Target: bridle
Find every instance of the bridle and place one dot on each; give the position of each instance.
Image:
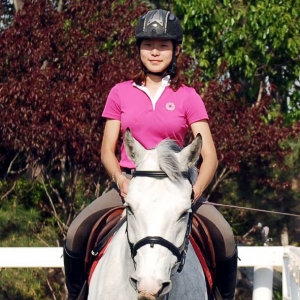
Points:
(179, 252)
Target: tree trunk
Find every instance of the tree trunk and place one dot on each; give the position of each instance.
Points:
(18, 4)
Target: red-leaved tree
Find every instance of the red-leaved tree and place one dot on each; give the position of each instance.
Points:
(56, 69)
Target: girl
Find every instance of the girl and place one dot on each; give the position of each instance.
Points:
(155, 105)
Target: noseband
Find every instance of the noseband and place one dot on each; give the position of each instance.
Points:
(180, 252)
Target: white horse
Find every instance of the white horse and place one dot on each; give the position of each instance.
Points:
(144, 255)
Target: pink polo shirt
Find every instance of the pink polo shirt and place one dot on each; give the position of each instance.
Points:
(170, 118)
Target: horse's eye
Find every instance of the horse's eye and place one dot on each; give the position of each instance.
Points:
(184, 215)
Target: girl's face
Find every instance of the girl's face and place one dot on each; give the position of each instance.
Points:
(156, 54)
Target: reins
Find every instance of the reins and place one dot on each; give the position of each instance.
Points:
(248, 208)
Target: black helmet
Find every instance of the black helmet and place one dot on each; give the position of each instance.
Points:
(159, 24)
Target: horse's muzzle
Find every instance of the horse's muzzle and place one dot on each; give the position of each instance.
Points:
(150, 289)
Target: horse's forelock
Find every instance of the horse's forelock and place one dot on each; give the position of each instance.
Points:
(167, 160)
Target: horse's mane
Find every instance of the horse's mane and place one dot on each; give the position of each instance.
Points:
(168, 162)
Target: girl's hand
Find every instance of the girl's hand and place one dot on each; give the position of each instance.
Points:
(122, 184)
(197, 191)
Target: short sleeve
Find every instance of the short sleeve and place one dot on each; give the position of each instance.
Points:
(194, 108)
(112, 108)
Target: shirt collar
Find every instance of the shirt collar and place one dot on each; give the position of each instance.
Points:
(164, 82)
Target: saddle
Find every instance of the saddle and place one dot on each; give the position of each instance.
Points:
(200, 239)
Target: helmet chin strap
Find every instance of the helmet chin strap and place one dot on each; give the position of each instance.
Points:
(159, 74)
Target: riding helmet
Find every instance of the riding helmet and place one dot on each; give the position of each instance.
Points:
(159, 24)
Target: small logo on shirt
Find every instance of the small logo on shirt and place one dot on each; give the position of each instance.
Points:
(170, 106)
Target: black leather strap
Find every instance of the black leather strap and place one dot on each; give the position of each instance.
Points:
(152, 240)
(103, 242)
(197, 205)
(155, 174)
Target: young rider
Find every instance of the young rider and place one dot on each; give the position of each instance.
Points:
(155, 105)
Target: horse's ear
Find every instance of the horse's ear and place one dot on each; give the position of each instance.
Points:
(189, 155)
(134, 149)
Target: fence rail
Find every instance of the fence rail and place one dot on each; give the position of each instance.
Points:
(47, 257)
(263, 259)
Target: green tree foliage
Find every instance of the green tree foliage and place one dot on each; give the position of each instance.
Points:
(23, 221)
(31, 284)
(259, 40)
(6, 13)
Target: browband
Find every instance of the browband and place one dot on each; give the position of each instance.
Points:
(155, 174)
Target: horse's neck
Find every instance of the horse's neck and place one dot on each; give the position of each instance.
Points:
(111, 276)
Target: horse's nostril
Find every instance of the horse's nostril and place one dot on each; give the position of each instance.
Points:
(134, 282)
(165, 287)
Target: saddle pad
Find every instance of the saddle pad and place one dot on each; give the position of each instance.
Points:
(202, 260)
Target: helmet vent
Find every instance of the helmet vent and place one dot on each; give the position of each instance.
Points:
(166, 22)
(159, 24)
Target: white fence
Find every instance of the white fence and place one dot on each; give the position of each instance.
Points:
(263, 259)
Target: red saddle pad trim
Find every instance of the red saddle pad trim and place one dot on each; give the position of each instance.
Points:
(203, 263)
